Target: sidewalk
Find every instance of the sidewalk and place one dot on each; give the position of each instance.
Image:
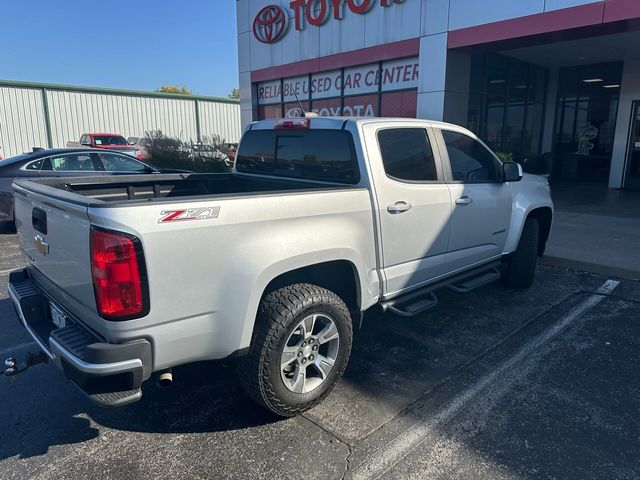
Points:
(595, 229)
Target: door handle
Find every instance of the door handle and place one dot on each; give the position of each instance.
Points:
(399, 207)
(464, 200)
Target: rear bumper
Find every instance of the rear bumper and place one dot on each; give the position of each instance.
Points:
(109, 374)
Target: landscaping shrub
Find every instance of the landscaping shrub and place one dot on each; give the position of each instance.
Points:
(169, 152)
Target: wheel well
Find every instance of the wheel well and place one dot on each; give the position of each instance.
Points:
(544, 217)
(339, 276)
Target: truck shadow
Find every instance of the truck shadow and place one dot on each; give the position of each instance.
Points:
(43, 409)
(205, 397)
(394, 361)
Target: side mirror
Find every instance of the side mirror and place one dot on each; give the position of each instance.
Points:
(512, 172)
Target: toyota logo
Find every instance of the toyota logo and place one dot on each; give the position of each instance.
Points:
(270, 24)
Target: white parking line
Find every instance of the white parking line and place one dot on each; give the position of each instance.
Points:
(12, 350)
(394, 451)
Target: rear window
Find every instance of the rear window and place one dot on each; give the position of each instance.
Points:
(326, 155)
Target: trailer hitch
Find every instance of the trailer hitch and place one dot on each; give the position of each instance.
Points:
(13, 367)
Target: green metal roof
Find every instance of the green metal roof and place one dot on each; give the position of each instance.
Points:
(112, 91)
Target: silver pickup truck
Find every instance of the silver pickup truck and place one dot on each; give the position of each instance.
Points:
(274, 263)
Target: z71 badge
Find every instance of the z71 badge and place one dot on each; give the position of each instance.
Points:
(201, 213)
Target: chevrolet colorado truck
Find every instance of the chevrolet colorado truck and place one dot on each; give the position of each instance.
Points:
(274, 263)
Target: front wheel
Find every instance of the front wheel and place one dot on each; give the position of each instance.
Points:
(521, 267)
(300, 349)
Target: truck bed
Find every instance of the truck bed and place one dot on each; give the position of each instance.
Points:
(129, 189)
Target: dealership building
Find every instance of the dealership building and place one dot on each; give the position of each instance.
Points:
(554, 83)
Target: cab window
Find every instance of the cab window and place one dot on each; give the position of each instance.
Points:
(471, 162)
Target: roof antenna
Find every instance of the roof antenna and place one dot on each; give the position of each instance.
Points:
(305, 114)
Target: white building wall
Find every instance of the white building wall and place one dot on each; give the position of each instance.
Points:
(220, 119)
(22, 125)
(23, 118)
(428, 19)
(73, 114)
(470, 13)
(630, 91)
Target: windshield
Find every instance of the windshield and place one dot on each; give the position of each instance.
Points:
(109, 140)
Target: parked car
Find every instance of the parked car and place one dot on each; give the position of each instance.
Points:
(109, 141)
(275, 263)
(62, 162)
(230, 150)
(141, 146)
(1, 157)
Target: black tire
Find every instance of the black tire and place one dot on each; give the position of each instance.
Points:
(521, 267)
(279, 313)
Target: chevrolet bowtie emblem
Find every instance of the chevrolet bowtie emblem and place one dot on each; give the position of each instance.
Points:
(41, 245)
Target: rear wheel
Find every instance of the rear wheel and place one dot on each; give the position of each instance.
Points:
(521, 268)
(300, 349)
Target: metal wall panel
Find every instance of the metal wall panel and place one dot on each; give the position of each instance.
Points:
(74, 113)
(220, 118)
(23, 115)
(22, 124)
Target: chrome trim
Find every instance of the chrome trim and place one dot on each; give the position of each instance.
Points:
(41, 245)
(21, 316)
(93, 368)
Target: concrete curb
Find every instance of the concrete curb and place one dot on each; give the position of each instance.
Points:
(590, 267)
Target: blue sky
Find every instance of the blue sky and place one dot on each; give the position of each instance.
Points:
(135, 44)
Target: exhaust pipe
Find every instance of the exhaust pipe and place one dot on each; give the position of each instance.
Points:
(165, 380)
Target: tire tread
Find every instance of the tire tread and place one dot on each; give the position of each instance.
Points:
(275, 313)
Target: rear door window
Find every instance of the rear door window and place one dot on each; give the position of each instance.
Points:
(72, 163)
(326, 155)
(407, 155)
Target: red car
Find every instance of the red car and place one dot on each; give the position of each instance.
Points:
(109, 141)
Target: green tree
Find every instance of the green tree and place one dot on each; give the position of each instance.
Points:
(235, 94)
(174, 89)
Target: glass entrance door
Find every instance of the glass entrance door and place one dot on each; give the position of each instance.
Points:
(632, 179)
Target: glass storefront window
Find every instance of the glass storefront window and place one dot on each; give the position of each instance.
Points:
(585, 122)
(361, 106)
(353, 91)
(506, 104)
(270, 111)
(327, 108)
(399, 104)
(326, 84)
(293, 110)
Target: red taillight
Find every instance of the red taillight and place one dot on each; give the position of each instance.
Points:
(116, 271)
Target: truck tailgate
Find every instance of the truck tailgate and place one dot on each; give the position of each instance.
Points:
(54, 238)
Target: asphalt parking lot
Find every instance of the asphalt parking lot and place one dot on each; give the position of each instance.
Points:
(498, 383)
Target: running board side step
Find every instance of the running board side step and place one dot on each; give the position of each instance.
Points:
(404, 308)
(413, 303)
(476, 282)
